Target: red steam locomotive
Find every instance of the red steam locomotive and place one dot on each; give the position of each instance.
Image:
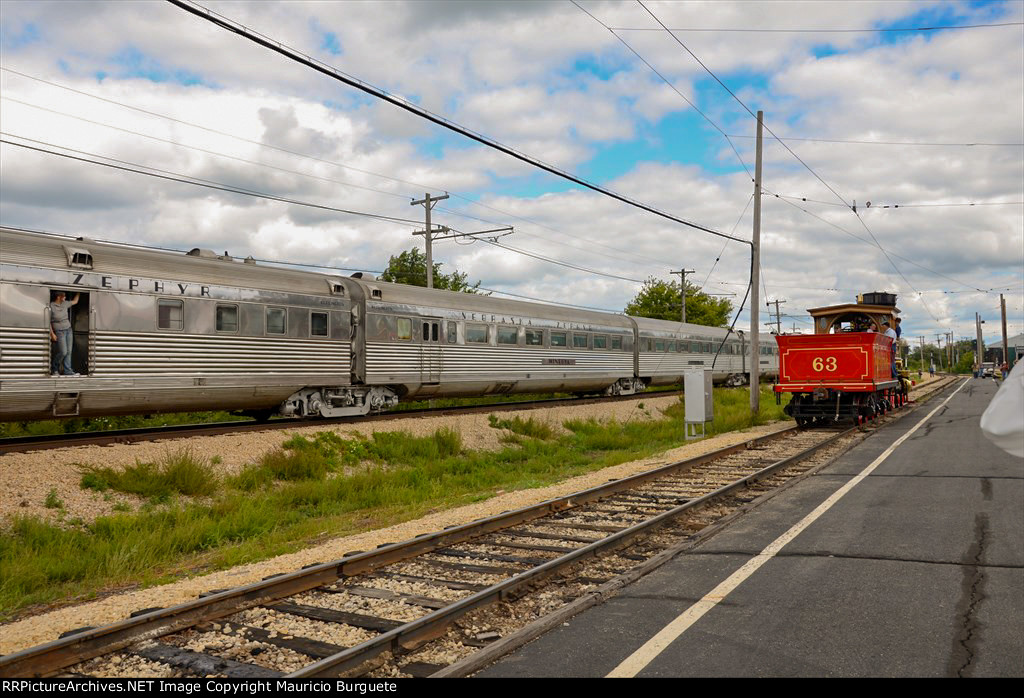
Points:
(845, 370)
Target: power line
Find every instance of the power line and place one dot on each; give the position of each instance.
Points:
(873, 206)
(909, 143)
(727, 137)
(738, 100)
(669, 83)
(857, 237)
(551, 260)
(798, 158)
(401, 103)
(550, 302)
(972, 203)
(140, 246)
(205, 150)
(222, 187)
(185, 179)
(827, 31)
(261, 144)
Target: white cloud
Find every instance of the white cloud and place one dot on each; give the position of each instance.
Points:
(546, 79)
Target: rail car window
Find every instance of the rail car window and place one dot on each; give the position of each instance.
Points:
(659, 345)
(453, 332)
(170, 314)
(476, 334)
(227, 318)
(534, 338)
(508, 335)
(430, 331)
(600, 341)
(318, 324)
(616, 342)
(277, 320)
(580, 340)
(404, 327)
(558, 339)
(681, 346)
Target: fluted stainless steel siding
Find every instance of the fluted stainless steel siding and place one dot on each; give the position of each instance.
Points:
(139, 353)
(389, 362)
(24, 352)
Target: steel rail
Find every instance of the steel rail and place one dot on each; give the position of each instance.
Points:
(78, 646)
(92, 642)
(21, 444)
(432, 625)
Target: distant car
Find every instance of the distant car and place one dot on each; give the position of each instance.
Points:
(988, 370)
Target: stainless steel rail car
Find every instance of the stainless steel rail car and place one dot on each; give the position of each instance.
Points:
(667, 349)
(161, 332)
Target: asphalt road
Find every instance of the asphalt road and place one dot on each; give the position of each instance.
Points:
(917, 571)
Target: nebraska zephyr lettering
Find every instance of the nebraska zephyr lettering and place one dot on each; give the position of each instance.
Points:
(133, 284)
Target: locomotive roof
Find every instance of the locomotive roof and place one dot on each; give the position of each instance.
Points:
(854, 308)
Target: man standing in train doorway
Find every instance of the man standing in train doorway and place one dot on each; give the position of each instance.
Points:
(61, 333)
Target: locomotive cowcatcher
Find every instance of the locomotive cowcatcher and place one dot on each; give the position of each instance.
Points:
(844, 371)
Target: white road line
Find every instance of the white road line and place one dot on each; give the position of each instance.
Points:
(635, 663)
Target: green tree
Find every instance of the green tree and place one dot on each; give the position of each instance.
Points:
(410, 268)
(662, 300)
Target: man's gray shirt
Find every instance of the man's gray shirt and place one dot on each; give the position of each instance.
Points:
(59, 319)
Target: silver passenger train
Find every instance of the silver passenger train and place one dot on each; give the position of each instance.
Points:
(162, 332)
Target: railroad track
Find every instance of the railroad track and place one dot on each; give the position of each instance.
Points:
(381, 610)
(21, 444)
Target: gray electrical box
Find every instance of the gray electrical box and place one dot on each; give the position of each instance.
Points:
(697, 390)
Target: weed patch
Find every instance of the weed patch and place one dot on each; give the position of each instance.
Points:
(53, 501)
(524, 427)
(179, 473)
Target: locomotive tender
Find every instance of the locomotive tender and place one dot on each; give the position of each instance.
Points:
(842, 371)
(157, 331)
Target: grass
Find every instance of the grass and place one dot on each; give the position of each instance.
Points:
(179, 473)
(295, 494)
(518, 426)
(52, 501)
(67, 426)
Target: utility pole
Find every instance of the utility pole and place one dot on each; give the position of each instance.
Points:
(979, 353)
(682, 277)
(1006, 347)
(428, 202)
(755, 266)
(778, 314)
(938, 340)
